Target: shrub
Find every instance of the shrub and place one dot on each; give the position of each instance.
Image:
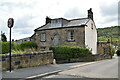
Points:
(118, 52)
(6, 47)
(27, 45)
(67, 52)
(24, 46)
(17, 47)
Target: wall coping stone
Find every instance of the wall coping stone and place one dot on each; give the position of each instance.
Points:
(23, 54)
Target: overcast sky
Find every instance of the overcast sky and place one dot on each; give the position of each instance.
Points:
(31, 14)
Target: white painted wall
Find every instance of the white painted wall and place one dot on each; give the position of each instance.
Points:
(91, 37)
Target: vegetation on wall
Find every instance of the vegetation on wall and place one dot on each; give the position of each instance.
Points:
(67, 52)
(5, 47)
(27, 46)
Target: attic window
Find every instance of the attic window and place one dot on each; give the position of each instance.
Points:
(91, 25)
(70, 35)
(42, 37)
(56, 23)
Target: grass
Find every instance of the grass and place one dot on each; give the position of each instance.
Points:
(25, 50)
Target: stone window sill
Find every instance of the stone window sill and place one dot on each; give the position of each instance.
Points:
(70, 40)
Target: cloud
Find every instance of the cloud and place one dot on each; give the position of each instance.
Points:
(30, 14)
(74, 13)
(108, 14)
(109, 9)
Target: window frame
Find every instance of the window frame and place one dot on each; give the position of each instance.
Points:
(92, 26)
(70, 36)
(43, 37)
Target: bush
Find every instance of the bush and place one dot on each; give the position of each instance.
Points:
(18, 47)
(27, 45)
(118, 52)
(6, 47)
(67, 52)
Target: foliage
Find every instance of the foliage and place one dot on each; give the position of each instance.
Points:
(118, 52)
(67, 52)
(6, 46)
(25, 50)
(112, 50)
(111, 33)
(3, 37)
(27, 46)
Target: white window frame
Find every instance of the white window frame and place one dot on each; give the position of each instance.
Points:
(91, 25)
(70, 35)
(43, 37)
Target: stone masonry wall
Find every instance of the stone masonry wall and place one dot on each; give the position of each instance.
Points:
(103, 48)
(91, 58)
(24, 60)
(79, 36)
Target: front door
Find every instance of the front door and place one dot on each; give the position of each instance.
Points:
(56, 40)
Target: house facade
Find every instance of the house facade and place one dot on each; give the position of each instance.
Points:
(60, 31)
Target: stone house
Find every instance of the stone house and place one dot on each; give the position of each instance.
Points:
(60, 31)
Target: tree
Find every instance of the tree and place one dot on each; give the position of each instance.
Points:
(3, 37)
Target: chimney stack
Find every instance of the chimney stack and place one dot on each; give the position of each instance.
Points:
(90, 14)
(48, 20)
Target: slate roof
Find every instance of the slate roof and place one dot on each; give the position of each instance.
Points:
(77, 22)
(70, 23)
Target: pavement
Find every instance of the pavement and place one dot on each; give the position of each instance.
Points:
(39, 71)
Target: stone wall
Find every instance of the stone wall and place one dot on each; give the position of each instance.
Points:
(86, 59)
(103, 47)
(24, 60)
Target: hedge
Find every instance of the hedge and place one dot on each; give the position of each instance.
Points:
(5, 47)
(67, 52)
(27, 45)
(118, 52)
(20, 46)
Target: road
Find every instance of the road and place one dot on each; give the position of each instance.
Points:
(105, 70)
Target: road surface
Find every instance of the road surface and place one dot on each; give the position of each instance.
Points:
(105, 70)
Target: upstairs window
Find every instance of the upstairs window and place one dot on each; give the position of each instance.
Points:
(56, 23)
(91, 25)
(42, 37)
(70, 35)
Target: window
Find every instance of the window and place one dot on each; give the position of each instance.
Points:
(70, 35)
(56, 23)
(42, 37)
(91, 25)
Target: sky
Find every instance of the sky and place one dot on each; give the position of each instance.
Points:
(30, 14)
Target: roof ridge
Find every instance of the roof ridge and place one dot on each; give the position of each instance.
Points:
(78, 19)
(60, 18)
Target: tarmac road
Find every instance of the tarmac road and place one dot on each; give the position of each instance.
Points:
(100, 70)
